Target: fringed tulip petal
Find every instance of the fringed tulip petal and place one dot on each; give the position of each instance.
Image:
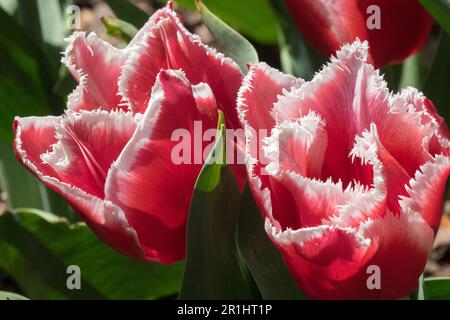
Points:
(149, 171)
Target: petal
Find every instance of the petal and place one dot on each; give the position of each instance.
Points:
(324, 261)
(34, 136)
(333, 263)
(427, 189)
(96, 65)
(318, 202)
(344, 92)
(324, 24)
(328, 25)
(407, 128)
(80, 158)
(158, 189)
(259, 91)
(400, 35)
(298, 145)
(403, 243)
(368, 147)
(169, 45)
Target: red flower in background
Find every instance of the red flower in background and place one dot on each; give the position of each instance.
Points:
(404, 26)
(350, 176)
(109, 156)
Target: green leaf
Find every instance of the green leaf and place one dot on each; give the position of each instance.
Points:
(254, 18)
(29, 20)
(21, 187)
(26, 78)
(413, 72)
(228, 41)
(10, 6)
(297, 57)
(436, 86)
(25, 190)
(421, 292)
(440, 10)
(214, 269)
(126, 11)
(65, 83)
(263, 260)
(11, 296)
(36, 248)
(120, 29)
(51, 19)
(438, 288)
(52, 22)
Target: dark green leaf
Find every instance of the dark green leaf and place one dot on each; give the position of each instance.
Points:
(52, 28)
(440, 10)
(36, 248)
(296, 55)
(438, 288)
(26, 80)
(21, 187)
(227, 40)
(436, 86)
(413, 72)
(254, 18)
(29, 20)
(263, 260)
(213, 266)
(65, 83)
(120, 29)
(421, 292)
(128, 12)
(10, 6)
(24, 190)
(26, 77)
(11, 296)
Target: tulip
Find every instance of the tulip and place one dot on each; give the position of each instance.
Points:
(109, 155)
(394, 29)
(351, 178)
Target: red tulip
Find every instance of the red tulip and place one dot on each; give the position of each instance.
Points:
(110, 155)
(351, 177)
(395, 29)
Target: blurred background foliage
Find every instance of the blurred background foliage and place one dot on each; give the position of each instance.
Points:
(37, 246)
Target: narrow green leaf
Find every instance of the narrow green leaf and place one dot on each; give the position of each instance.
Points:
(438, 288)
(436, 86)
(25, 190)
(263, 260)
(440, 10)
(10, 6)
(210, 175)
(296, 55)
(51, 19)
(228, 41)
(393, 75)
(11, 296)
(128, 12)
(29, 20)
(120, 29)
(413, 72)
(26, 79)
(21, 187)
(41, 246)
(254, 18)
(421, 292)
(213, 266)
(65, 83)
